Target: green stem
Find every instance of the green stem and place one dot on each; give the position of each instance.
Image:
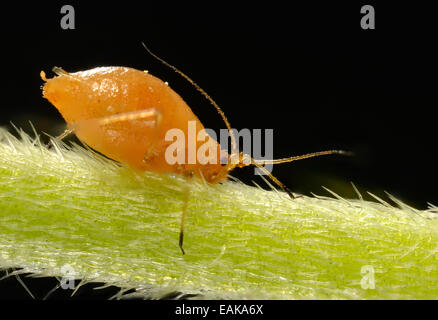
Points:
(68, 206)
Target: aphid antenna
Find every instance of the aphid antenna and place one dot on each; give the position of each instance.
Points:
(304, 156)
(260, 165)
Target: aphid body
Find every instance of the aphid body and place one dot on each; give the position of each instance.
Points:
(125, 114)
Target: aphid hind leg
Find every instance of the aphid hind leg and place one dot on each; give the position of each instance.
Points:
(188, 175)
(154, 114)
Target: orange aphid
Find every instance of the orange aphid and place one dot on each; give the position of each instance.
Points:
(125, 114)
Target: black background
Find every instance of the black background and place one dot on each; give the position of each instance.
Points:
(306, 70)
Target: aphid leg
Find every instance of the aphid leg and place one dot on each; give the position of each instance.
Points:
(154, 114)
(275, 180)
(188, 175)
(150, 152)
(60, 137)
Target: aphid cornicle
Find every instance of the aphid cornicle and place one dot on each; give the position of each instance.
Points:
(125, 113)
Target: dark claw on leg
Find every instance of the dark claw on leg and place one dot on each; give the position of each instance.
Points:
(289, 192)
(49, 145)
(181, 239)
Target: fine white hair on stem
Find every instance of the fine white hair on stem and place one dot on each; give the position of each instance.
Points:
(69, 206)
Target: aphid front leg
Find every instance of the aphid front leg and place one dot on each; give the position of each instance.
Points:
(154, 150)
(275, 180)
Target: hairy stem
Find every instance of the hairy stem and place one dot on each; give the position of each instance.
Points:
(70, 207)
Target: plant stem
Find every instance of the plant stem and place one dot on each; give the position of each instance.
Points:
(69, 206)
